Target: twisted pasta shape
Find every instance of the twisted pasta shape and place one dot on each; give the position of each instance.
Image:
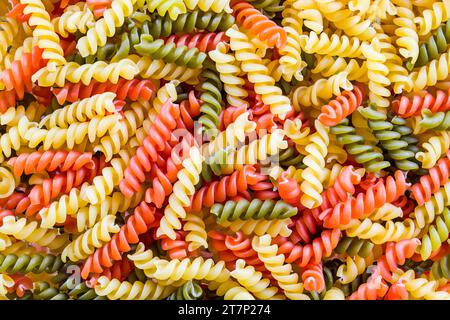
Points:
(115, 289)
(43, 30)
(434, 148)
(377, 72)
(132, 89)
(30, 232)
(85, 244)
(75, 18)
(164, 26)
(18, 78)
(433, 17)
(430, 183)
(406, 107)
(395, 255)
(354, 247)
(378, 234)
(203, 41)
(436, 234)
(313, 252)
(195, 227)
(211, 96)
(113, 18)
(230, 290)
(344, 19)
(142, 219)
(327, 66)
(35, 162)
(341, 46)
(169, 52)
(258, 73)
(323, 89)
(191, 290)
(253, 281)
(255, 209)
(291, 62)
(75, 73)
(341, 107)
(366, 154)
(312, 277)
(260, 227)
(406, 31)
(440, 268)
(26, 263)
(229, 72)
(159, 133)
(365, 203)
(172, 8)
(282, 272)
(81, 111)
(182, 189)
(428, 121)
(259, 25)
(313, 175)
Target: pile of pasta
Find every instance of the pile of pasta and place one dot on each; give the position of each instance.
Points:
(216, 149)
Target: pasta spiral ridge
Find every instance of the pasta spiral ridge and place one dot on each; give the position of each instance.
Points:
(365, 154)
(26, 263)
(142, 218)
(365, 203)
(341, 107)
(132, 89)
(113, 18)
(255, 209)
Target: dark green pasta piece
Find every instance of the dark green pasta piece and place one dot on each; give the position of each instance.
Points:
(137, 275)
(419, 267)
(211, 96)
(162, 27)
(390, 137)
(43, 291)
(435, 45)
(80, 291)
(191, 290)
(363, 153)
(255, 209)
(441, 268)
(34, 263)
(268, 7)
(290, 157)
(354, 247)
(170, 52)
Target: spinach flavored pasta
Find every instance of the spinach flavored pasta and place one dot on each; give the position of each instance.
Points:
(224, 150)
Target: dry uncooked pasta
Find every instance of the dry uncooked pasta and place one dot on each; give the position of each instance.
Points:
(241, 149)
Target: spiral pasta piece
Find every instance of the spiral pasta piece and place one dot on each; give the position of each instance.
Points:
(43, 30)
(143, 217)
(256, 209)
(282, 272)
(85, 244)
(321, 90)
(433, 149)
(115, 289)
(30, 232)
(313, 175)
(436, 235)
(99, 71)
(258, 73)
(341, 107)
(77, 17)
(132, 89)
(253, 281)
